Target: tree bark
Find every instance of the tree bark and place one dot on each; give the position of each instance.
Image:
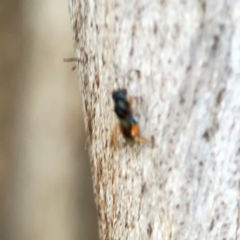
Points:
(182, 58)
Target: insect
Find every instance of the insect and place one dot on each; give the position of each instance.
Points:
(128, 125)
(73, 59)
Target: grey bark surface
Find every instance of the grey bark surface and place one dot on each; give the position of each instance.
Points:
(183, 59)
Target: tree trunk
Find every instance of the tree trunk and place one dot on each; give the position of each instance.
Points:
(182, 58)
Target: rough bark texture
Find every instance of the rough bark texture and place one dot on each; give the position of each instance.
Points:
(187, 57)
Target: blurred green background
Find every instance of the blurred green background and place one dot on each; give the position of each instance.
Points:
(45, 184)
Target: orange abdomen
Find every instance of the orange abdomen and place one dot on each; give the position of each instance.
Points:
(135, 131)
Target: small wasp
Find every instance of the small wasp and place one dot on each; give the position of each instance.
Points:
(128, 125)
